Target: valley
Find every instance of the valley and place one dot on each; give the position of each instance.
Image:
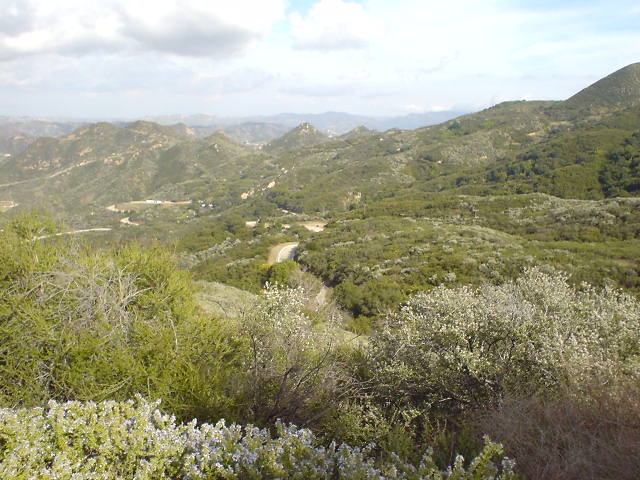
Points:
(400, 288)
(485, 194)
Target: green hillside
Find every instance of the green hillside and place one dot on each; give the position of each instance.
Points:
(621, 90)
(514, 147)
(480, 276)
(304, 135)
(105, 164)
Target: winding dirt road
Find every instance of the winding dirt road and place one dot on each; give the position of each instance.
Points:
(74, 232)
(56, 174)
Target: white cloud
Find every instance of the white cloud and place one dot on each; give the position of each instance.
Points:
(237, 81)
(200, 27)
(378, 57)
(334, 25)
(194, 28)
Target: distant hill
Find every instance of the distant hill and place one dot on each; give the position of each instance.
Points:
(330, 123)
(255, 133)
(15, 144)
(513, 147)
(254, 130)
(357, 132)
(304, 135)
(16, 133)
(414, 120)
(621, 89)
(103, 163)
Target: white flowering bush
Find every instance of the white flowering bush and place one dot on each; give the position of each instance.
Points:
(459, 347)
(134, 440)
(293, 364)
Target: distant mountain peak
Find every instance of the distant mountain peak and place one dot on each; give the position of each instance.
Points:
(618, 90)
(306, 129)
(358, 131)
(304, 135)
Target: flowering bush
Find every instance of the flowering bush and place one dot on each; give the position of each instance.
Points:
(458, 347)
(293, 364)
(134, 440)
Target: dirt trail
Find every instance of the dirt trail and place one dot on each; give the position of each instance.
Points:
(74, 232)
(127, 221)
(312, 226)
(114, 207)
(283, 251)
(59, 172)
(5, 206)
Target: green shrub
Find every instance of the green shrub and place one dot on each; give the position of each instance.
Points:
(282, 272)
(76, 323)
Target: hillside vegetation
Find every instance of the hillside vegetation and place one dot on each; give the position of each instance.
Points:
(477, 277)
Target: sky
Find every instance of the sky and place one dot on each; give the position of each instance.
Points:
(108, 59)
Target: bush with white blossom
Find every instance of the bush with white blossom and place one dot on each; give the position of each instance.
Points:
(463, 347)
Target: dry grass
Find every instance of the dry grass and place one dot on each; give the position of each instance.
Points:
(588, 433)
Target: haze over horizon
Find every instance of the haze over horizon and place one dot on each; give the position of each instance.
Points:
(117, 59)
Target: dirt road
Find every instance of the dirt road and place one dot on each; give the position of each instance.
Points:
(313, 226)
(74, 232)
(59, 172)
(127, 221)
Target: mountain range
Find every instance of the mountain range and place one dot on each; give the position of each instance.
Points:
(475, 198)
(105, 163)
(18, 132)
(330, 123)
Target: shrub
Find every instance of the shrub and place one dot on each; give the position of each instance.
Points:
(455, 348)
(76, 323)
(282, 272)
(294, 369)
(133, 439)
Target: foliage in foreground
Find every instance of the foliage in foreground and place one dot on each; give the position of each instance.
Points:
(82, 324)
(589, 430)
(77, 323)
(133, 439)
(293, 368)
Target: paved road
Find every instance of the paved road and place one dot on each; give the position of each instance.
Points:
(282, 252)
